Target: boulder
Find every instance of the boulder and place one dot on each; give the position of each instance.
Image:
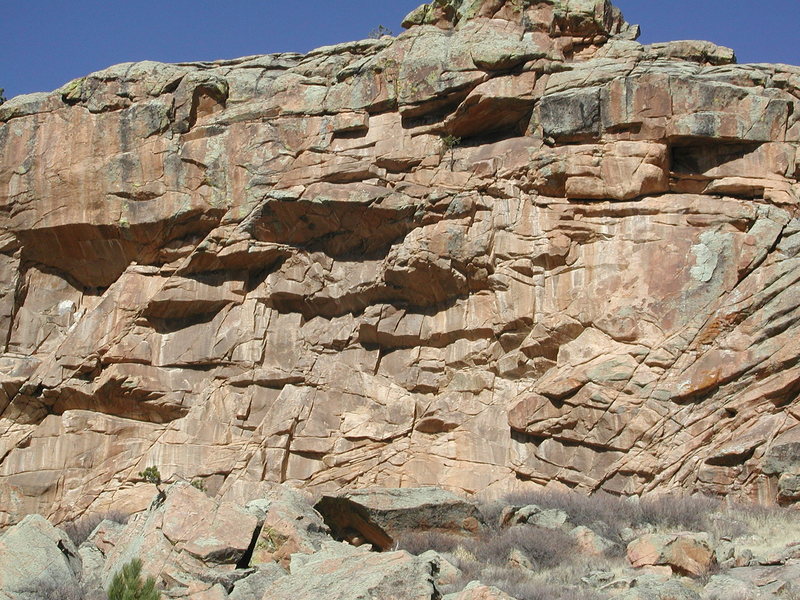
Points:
(724, 586)
(93, 553)
(789, 487)
(342, 572)
(686, 553)
(37, 562)
(477, 591)
(446, 573)
(255, 585)
(379, 516)
(728, 554)
(531, 514)
(778, 579)
(289, 526)
(590, 542)
(189, 542)
(653, 587)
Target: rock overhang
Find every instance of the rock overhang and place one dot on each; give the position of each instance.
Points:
(510, 245)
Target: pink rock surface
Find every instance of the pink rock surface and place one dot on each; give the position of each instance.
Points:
(281, 268)
(687, 553)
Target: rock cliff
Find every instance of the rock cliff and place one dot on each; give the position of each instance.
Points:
(511, 246)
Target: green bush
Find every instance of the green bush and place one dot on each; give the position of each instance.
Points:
(450, 141)
(128, 585)
(151, 475)
(2, 95)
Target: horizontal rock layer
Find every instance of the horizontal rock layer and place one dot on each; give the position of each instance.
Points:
(510, 245)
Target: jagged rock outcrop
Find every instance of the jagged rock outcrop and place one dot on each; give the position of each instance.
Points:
(510, 245)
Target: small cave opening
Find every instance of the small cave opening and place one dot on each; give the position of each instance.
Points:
(351, 134)
(700, 156)
(350, 523)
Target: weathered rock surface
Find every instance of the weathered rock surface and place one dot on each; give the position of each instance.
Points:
(289, 526)
(200, 548)
(190, 543)
(36, 559)
(343, 572)
(287, 268)
(685, 553)
(724, 586)
(476, 591)
(656, 588)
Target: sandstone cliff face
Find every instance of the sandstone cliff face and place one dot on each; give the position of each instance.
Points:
(290, 268)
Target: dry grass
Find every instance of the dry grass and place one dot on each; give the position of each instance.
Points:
(533, 563)
(553, 564)
(543, 548)
(765, 529)
(41, 590)
(80, 529)
(610, 516)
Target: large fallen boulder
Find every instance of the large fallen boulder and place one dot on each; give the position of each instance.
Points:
(685, 553)
(38, 562)
(380, 515)
(290, 525)
(344, 572)
(189, 543)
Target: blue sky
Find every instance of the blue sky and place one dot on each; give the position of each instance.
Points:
(46, 43)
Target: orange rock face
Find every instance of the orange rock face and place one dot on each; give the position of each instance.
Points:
(686, 553)
(511, 246)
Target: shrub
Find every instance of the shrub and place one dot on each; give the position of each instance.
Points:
(450, 141)
(518, 583)
(547, 563)
(2, 96)
(519, 586)
(609, 515)
(379, 32)
(680, 512)
(127, 584)
(418, 542)
(544, 548)
(50, 590)
(151, 475)
(80, 529)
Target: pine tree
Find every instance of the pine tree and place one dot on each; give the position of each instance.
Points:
(2, 95)
(127, 584)
(152, 475)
